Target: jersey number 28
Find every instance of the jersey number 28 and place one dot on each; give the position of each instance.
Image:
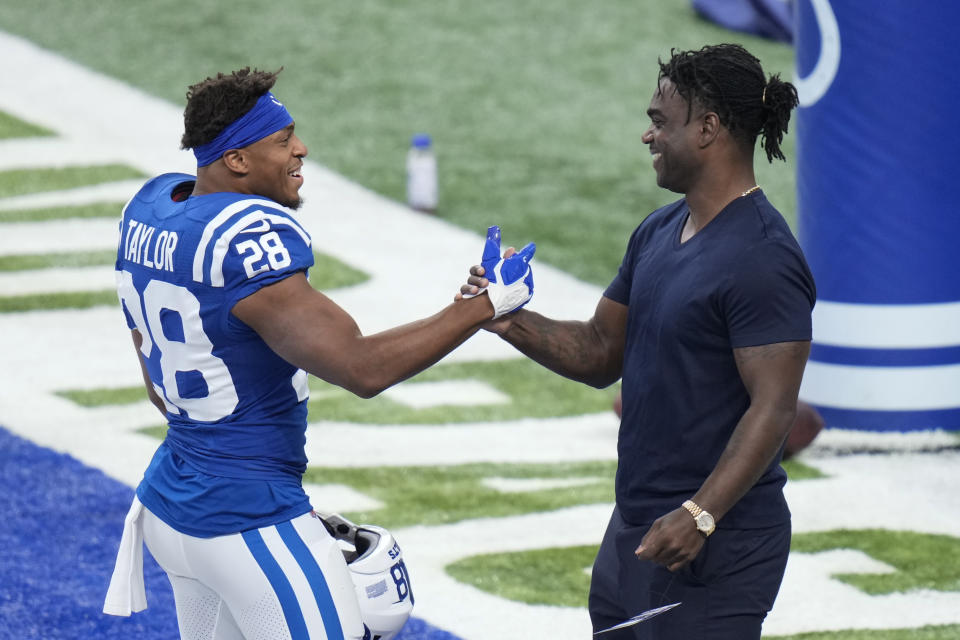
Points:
(193, 354)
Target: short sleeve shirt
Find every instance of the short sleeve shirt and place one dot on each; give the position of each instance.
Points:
(741, 281)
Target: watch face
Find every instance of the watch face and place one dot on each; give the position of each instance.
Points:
(705, 523)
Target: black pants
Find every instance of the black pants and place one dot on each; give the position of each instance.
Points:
(726, 591)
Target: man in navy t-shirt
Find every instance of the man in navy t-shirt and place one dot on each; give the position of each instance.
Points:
(708, 324)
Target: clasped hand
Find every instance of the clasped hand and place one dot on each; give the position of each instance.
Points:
(507, 280)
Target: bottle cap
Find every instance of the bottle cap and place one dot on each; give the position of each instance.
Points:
(421, 141)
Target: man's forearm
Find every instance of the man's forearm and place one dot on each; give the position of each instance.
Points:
(772, 374)
(753, 445)
(573, 349)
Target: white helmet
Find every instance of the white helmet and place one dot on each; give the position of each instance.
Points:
(380, 577)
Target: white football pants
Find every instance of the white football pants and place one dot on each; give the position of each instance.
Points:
(283, 582)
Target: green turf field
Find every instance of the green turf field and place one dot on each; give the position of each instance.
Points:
(536, 108)
(327, 272)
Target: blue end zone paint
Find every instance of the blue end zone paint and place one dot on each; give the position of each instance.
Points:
(59, 531)
(60, 525)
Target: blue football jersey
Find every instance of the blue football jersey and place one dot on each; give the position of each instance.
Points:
(234, 451)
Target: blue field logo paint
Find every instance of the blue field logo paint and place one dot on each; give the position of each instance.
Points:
(66, 564)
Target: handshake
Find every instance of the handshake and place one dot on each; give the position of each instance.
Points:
(509, 278)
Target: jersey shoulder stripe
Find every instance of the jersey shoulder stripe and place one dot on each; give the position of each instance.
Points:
(247, 215)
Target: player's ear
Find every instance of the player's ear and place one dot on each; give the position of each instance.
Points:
(709, 128)
(236, 161)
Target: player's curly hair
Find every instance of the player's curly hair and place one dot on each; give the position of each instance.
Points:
(729, 81)
(213, 104)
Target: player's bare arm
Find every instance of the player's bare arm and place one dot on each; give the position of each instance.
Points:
(772, 375)
(151, 392)
(310, 331)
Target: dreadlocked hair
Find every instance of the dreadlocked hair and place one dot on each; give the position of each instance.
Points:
(213, 104)
(729, 81)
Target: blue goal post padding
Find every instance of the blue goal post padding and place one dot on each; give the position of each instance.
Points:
(877, 213)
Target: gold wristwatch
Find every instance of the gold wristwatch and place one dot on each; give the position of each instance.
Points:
(705, 522)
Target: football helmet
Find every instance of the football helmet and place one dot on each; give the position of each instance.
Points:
(380, 577)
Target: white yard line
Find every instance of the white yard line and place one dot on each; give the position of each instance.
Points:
(110, 192)
(416, 263)
(52, 153)
(57, 280)
(52, 236)
(567, 439)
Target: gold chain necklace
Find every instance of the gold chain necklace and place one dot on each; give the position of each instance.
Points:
(755, 187)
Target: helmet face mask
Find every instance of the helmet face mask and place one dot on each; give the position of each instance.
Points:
(380, 577)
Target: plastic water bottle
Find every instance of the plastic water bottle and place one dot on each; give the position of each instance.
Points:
(421, 174)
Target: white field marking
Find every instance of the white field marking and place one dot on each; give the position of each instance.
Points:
(811, 600)
(526, 485)
(339, 498)
(569, 439)
(831, 441)
(467, 393)
(44, 351)
(56, 280)
(473, 614)
(103, 438)
(889, 491)
(115, 192)
(54, 152)
(52, 236)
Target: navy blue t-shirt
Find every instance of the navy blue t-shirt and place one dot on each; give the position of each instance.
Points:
(741, 281)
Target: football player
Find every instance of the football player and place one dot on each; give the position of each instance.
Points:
(212, 279)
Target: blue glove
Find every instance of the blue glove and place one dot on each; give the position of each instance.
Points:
(511, 280)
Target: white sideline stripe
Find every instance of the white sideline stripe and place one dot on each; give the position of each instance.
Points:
(140, 130)
(880, 326)
(447, 393)
(52, 236)
(882, 388)
(53, 152)
(118, 191)
(339, 498)
(833, 440)
(57, 280)
(525, 485)
(298, 580)
(565, 439)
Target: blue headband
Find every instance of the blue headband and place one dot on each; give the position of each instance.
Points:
(267, 116)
